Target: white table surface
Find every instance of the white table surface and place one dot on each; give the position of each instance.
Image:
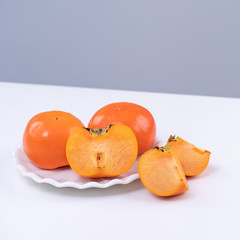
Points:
(209, 210)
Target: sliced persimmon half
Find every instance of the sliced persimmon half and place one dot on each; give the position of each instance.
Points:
(194, 160)
(161, 172)
(105, 152)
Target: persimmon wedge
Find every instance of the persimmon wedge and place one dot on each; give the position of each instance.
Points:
(194, 160)
(105, 152)
(161, 172)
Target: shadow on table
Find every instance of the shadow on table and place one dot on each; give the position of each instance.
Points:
(90, 192)
(208, 172)
(117, 189)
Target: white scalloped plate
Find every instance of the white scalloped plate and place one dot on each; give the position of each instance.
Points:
(66, 177)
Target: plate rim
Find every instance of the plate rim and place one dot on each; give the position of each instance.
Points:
(72, 184)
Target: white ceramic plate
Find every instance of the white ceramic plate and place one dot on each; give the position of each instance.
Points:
(66, 177)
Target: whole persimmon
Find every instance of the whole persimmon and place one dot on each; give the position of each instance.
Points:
(45, 138)
(138, 118)
(194, 160)
(105, 152)
(161, 172)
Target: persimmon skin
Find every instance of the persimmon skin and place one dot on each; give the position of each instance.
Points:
(106, 154)
(161, 173)
(45, 138)
(194, 160)
(138, 118)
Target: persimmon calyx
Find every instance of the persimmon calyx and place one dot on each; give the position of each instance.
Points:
(172, 138)
(166, 148)
(98, 131)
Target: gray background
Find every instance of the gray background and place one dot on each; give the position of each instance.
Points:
(179, 46)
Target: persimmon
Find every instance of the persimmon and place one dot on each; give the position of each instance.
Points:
(194, 160)
(161, 172)
(138, 118)
(45, 138)
(105, 152)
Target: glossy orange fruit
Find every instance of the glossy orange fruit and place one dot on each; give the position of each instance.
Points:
(106, 152)
(194, 160)
(45, 138)
(138, 118)
(161, 172)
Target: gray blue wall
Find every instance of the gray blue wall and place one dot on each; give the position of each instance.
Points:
(178, 46)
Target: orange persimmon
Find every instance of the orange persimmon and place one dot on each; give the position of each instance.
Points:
(138, 118)
(45, 138)
(161, 172)
(105, 152)
(193, 159)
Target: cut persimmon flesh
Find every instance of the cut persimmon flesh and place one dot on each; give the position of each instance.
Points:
(105, 152)
(161, 172)
(194, 160)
